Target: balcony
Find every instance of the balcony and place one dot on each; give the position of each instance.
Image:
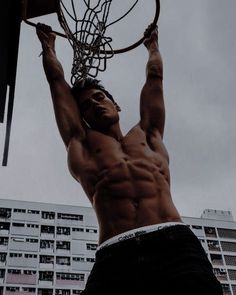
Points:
(60, 282)
(23, 262)
(4, 232)
(45, 283)
(81, 266)
(46, 265)
(19, 293)
(21, 279)
(25, 231)
(21, 245)
(3, 247)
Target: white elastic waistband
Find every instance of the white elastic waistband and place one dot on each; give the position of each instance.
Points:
(137, 232)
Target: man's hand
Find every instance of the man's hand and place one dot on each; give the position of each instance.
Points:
(151, 37)
(46, 36)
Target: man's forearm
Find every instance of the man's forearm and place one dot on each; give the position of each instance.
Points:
(52, 66)
(154, 66)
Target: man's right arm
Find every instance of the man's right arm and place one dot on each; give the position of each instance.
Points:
(65, 108)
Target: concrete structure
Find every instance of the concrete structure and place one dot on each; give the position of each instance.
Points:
(49, 249)
(216, 230)
(45, 249)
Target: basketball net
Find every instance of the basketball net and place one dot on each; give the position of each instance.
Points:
(91, 47)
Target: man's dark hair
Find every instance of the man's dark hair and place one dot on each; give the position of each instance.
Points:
(89, 83)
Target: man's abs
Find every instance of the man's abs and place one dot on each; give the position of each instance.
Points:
(132, 194)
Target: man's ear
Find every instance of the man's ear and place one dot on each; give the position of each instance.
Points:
(117, 107)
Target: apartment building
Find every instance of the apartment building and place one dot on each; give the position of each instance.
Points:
(216, 230)
(49, 249)
(45, 249)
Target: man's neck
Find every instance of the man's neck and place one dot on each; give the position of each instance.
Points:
(113, 131)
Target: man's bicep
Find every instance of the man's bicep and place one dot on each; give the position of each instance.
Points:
(152, 108)
(66, 112)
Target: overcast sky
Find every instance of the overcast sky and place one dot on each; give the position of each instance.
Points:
(198, 45)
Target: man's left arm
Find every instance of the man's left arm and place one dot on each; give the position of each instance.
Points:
(152, 108)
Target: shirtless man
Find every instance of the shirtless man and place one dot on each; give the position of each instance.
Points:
(143, 243)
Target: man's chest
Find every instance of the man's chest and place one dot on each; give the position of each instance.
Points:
(105, 153)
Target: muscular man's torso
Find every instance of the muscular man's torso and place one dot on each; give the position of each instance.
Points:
(127, 182)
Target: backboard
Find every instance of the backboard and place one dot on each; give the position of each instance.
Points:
(11, 14)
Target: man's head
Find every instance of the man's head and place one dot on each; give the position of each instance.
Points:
(95, 103)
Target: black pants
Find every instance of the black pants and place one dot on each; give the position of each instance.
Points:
(165, 262)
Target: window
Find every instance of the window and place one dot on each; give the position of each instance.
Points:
(90, 259)
(196, 226)
(19, 210)
(91, 230)
(76, 292)
(67, 216)
(14, 255)
(46, 276)
(14, 271)
(227, 233)
(46, 259)
(63, 245)
(78, 229)
(62, 292)
(16, 224)
(32, 241)
(48, 215)
(2, 273)
(70, 276)
(232, 274)
(3, 257)
(30, 256)
(32, 225)
(18, 239)
(228, 246)
(33, 211)
(3, 241)
(46, 244)
(92, 247)
(4, 225)
(13, 289)
(213, 245)
(78, 259)
(47, 229)
(45, 291)
(63, 230)
(230, 260)
(220, 273)
(5, 213)
(210, 232)
(63, 260)
(30, 272)
(29, 290)
(216, 259)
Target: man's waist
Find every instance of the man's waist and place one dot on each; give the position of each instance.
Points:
(136, 232)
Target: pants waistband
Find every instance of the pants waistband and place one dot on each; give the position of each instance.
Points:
(137, 232)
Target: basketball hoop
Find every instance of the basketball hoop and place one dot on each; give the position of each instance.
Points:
(90, 45)
(87, 33)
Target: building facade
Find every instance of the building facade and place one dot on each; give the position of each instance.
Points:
(216, 230)
(49, 249)
(45, 249)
